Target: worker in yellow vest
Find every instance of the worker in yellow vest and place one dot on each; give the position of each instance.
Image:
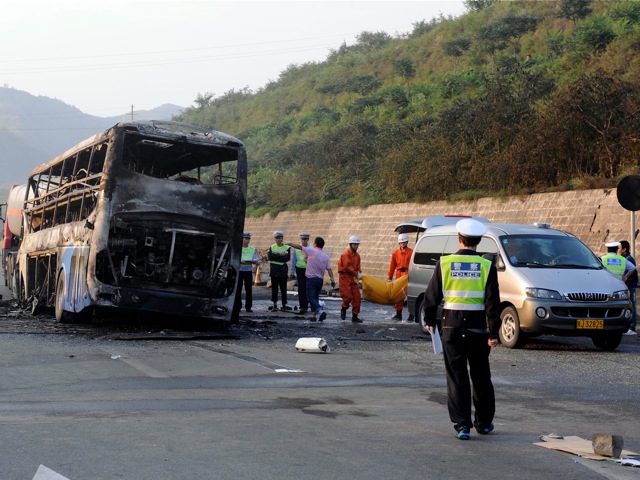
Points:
(247, 261)
(468, 284)
(279, 254)
(299, 270)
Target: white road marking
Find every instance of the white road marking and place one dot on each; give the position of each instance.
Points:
(247, 358)
(45, 473)
(141, 367)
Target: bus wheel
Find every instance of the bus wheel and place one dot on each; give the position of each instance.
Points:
(61, 286)
(510, 334)
(63, 316)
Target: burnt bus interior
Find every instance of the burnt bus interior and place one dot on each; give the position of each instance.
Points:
(61, 193)
(171, 252)
(65, 191)
(181, 161)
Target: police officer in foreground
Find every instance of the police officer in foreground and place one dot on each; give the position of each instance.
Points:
(468, 284)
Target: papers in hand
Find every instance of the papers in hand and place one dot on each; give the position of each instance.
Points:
(436, 341)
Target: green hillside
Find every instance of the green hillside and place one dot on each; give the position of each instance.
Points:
(511, 98)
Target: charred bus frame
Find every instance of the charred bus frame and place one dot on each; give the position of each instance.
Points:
(145, 216)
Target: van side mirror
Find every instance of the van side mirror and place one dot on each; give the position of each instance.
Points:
(495, 258)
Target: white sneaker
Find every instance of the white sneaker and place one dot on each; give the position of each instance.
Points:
(630, 332)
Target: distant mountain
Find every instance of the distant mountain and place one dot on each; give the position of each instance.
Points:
(164, 112)
(35, 129)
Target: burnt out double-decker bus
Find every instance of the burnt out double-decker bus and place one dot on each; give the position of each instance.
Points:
(144, 216)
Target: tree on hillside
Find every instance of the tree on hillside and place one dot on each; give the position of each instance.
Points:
(362, 84)
(422, 27)
(606, 106)
(595, 34)
(456, 48)
(516, 26)
(477, 5)
(404, 68)
(574, 9)
(590, 130)
(372, 41)
(629, 11)
(202, 101)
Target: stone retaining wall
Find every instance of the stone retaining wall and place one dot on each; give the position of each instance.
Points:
(594, 216)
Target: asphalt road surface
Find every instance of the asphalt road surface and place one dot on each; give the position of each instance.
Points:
(133, 398)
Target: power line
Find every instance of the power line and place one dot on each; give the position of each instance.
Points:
(165, 52)
(154, 63)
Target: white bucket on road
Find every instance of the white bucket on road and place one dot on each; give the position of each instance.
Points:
(312, 345)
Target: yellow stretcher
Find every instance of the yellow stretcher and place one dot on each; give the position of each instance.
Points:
(383, 292)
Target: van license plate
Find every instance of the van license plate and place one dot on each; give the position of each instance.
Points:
(590, 324)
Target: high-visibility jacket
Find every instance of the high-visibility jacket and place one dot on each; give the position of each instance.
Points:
(615, 263)
(464, 280)
(301, 259)
(284, 248)
(248, 257)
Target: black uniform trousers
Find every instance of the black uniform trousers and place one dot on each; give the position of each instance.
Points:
(279, 283)
(473, 350)
(246, 280)
(303, 302)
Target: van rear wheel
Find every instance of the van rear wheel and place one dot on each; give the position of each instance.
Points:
(510, 334)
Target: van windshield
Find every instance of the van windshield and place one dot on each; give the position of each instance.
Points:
(548, 251)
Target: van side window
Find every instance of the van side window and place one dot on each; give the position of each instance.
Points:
(429, 249)
(487, 245)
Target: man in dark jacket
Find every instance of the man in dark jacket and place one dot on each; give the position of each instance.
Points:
(468, 284)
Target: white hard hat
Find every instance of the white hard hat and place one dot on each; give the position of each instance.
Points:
(354, 239)
(304, 235)
(403, 237)
(612, 244)
(278, 233)
(470, 228)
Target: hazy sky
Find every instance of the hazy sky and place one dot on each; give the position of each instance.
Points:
(102, 56)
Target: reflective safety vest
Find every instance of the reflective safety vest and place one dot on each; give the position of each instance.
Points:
(247, 255)
(464, 279)
(301, 259)
(614, 263)
(276, 248)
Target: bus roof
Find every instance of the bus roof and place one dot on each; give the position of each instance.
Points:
(164, 129)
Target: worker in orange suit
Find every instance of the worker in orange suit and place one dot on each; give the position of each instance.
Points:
(399, 265)
(349, 272)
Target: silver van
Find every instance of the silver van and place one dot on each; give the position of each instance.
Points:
(550, 282)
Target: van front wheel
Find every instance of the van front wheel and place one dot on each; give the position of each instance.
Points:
(510, 334)
(420, 316)
(607, 341)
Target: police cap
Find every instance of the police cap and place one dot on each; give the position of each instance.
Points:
(305, 236)
(612, 244)
(246, 235)
(470, 228)
(278, 233)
